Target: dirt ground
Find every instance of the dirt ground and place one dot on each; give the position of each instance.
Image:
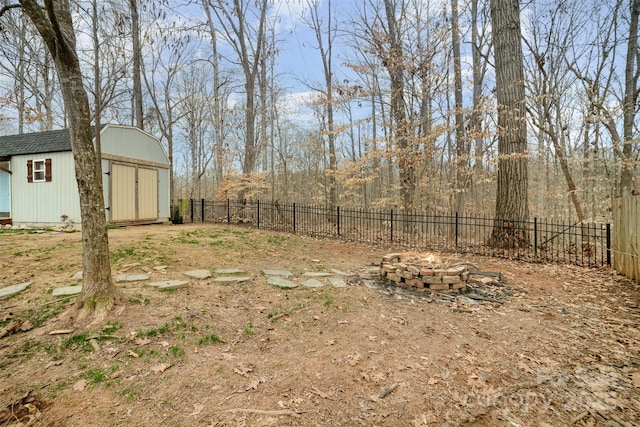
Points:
(558, 345)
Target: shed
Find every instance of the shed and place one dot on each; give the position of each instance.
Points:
(38, 185)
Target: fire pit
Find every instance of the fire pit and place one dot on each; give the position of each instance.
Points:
(424, 271)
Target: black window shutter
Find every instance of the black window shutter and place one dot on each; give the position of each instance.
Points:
(29, 170)
(47, 170)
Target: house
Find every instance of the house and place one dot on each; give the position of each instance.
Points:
(38, 185)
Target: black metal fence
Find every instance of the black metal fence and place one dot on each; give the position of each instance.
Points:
(547, 241)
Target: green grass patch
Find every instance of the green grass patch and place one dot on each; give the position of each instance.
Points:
(77, 342)
(277, 239)
(28, 349)
(54, 390)
(211, 339)
(97, 375)
(112, 326)
(129, 392)
(119, 254)
(176, 351)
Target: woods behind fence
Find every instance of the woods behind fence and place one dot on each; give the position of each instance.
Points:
(545, 241)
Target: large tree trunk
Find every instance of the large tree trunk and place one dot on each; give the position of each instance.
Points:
(628, 184)
(512, 205)
(55, 26)
(395, 67)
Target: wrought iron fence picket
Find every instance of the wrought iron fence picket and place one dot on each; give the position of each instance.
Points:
(549, 241)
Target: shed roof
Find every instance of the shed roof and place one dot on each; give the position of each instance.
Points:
(37, 142)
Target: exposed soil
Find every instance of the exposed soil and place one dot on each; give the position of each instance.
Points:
(561, 347)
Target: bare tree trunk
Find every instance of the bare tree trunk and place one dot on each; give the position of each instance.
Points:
(628, 184)
(395, 67)
(55, 25)
(512, 203)
(475, 121)
(137, 64)
(462, 153)
(97, 83)
(217, 112)
(327, 59)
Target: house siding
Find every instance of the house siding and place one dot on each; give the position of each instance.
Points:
(43, 203)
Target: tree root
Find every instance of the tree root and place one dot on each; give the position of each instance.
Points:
(96, 308)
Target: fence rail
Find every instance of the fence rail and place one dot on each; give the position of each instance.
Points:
(547, 241)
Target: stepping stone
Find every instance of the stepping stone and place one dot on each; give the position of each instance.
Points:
(281, 282)
(277, 273)
(170, 284)
(66, 291)
(199, 274)
(231, 279)
(131, 277)
(316, 274)
(313, 283)
(371, 284)
(466, 300)
(78, 276)
(337, 282)
(12, 290)
(340, 273)
(229, 271)
(160, 267)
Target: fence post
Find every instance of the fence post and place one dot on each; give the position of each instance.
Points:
(202, 209)
(191, 208)
(228, 211)
(338, 218)
(608, 244)
(535, 238)
(294, 218)
(391, 225)
(258, 213)
(456, 230)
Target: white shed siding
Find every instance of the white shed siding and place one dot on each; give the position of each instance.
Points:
(106, 187)
(125, 141)
(43, 203)
(163, 194)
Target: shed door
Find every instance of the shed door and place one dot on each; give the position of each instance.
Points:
(123, 192)
(147, 193)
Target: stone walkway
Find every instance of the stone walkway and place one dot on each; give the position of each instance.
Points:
(284, 279)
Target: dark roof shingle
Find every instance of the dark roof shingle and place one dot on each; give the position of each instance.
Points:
(37, 142)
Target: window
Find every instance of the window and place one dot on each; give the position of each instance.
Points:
(39, 170)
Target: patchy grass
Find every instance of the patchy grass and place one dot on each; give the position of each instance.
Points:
(211, 339)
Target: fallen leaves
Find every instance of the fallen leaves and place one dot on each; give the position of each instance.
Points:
(16, 326)
(23, 412)
(80, 385)
(253, 385)
(635, 379)
(243, 370)
(323, 395)
(353, 359)
(160, 368)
